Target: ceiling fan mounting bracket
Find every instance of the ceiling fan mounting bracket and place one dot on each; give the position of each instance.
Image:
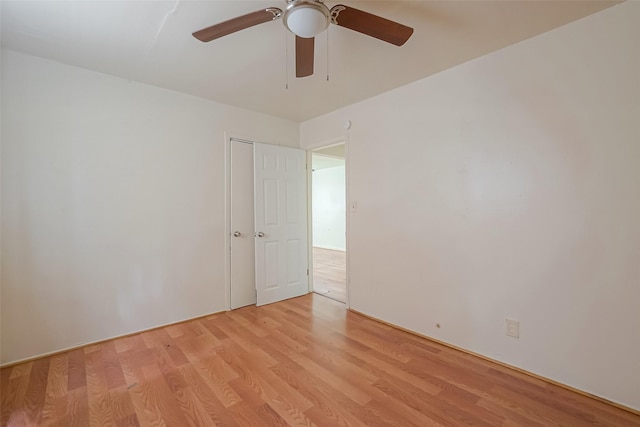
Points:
(335, 11)
(277, 12)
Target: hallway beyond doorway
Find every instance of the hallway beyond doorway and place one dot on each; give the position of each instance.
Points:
(329, 273)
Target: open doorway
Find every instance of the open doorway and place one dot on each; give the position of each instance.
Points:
(328, 189)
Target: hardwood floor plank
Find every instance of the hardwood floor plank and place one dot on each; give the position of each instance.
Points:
(549, 394)
(130, 421)
(206, 396)
(99, 408)
(175, 331)
(211, 325)
(330, 406)
(56, 389)
(126, 343)
(148, 412)
(161, 396)
(168, 345)
(196, 347)
(18, 370)
(600, 410)
(258, 342)
(220, 387)
(339, 362)
(192, 408)
(296, 334)
(112, 369)
(13, 393)
(291, 414)
(255, 395)
(467, 402)
(380, 414)
(76, 407)
(398, 402)
(58, 372)
(512, 417)
(466, 380)
(5, 376)
(261, 415)
(327, 416)
(383, 347)
(200, 352)
(301, 362)
(77, 374)
(242, 337)
(381, 367)
(547, 412)
(352, 392)
(249, 318)
(36, 389)
(120, 403)
(271, 387)
(417, 399)
(284, 341)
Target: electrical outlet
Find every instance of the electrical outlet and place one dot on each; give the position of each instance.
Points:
(513, 328)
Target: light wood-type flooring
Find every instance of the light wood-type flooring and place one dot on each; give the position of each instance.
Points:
(330, 273)
(302, 362)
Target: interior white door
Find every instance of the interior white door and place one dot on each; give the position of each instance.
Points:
(243, 284)
(280, 222)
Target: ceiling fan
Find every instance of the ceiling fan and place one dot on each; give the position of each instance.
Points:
(308, 18)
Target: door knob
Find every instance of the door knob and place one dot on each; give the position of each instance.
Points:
(260, 234)
(237, 234)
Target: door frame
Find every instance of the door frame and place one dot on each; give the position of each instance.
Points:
(325, 144)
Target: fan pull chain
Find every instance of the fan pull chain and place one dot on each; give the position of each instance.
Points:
(286, 61)
(328, 52)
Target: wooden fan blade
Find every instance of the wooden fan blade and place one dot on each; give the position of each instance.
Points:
(371, 25)
(236, 24)
(304, 56)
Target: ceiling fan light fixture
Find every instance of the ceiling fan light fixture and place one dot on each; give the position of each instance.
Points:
(306, 18)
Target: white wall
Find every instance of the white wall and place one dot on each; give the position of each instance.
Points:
(509, 187)
(329, 208)
(113, 201)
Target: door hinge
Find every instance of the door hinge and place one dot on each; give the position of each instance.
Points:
(307, 271)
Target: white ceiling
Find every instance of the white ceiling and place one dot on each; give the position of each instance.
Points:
(151, 42)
